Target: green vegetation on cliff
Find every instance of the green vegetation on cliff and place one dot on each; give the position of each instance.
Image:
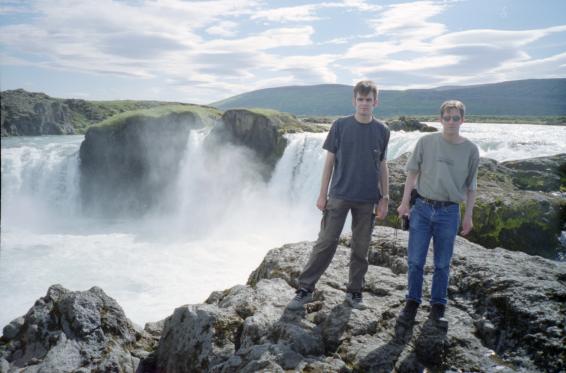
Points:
(32, 114)
(205, 113)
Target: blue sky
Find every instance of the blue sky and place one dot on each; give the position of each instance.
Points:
(204, 51)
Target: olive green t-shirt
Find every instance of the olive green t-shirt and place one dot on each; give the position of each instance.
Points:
(446, 171)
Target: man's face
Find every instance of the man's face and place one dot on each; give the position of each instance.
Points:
(364, 104)
(451, 121)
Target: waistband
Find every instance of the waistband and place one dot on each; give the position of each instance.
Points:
(435, 203)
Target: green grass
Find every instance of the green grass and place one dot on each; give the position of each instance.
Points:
(205, 113)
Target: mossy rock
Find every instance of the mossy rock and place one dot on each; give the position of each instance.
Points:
(510, 212)
(262, 130)
(128, 162)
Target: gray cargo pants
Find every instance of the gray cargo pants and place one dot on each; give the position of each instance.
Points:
(331, 226)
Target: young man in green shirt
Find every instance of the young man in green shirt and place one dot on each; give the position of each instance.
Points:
(443, 168)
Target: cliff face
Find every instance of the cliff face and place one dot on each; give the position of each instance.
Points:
(35, 114)
(28, 114)
(262, 131)
(506, 313)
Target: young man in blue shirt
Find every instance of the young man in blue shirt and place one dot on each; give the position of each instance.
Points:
(356, 164)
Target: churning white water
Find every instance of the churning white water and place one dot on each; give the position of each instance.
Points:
(226, 218)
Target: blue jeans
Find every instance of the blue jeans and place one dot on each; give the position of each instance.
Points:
(441, 224)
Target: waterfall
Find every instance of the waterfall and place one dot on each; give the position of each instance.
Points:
(40, 181)
(223, 219)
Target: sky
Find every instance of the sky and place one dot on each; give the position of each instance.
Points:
(205, 51)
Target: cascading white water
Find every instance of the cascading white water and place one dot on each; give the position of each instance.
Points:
(226, 217)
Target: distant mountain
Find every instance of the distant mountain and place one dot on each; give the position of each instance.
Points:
(533, 97)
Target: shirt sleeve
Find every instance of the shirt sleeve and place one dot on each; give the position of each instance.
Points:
(331, 143)
(416, 158)
(472, 179)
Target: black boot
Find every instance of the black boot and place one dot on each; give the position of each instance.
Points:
(409, 312)
(437, 312)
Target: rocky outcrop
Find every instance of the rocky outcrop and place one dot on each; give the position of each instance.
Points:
(409, 125)
(506, 313)
(35, 114)
(31, 114)
(69, 331)
(128, 163)
(262, 131)
(519, 204)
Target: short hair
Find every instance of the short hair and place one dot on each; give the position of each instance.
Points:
(452, 104)
(365, 87)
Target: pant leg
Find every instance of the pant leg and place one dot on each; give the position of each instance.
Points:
(330, 229)
(420, 233)
(362, 226)
(445, 229)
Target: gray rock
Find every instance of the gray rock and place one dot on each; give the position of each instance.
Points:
(72, 331)
(505, 313)
(409, 125)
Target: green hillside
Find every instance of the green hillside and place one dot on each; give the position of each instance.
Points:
(34, 113)
(535, 97)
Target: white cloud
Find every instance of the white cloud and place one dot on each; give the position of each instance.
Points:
(224, 28)
(500, 38)
(303, 13)
(410, 20)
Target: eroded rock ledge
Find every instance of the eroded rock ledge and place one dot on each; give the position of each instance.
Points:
(507, 313)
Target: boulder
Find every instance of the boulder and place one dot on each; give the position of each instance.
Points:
(128, 163)
(519, 204)
(262, 131)
(505, 314)
(68, 331)
(409, 125)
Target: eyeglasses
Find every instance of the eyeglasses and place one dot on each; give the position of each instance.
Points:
(455, 118)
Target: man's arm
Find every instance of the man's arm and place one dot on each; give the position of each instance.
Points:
(326, 175)
(383, 204)
(410, 183)
(467, 223)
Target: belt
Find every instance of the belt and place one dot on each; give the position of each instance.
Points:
(435, 203)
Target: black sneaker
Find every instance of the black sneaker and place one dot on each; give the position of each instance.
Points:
(355, 300)
(409, 312)
(302, 297)
(437, 312)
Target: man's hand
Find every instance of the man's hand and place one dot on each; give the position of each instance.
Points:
(321, 202)
(467, 225)
(403, 210)
(382, 208)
